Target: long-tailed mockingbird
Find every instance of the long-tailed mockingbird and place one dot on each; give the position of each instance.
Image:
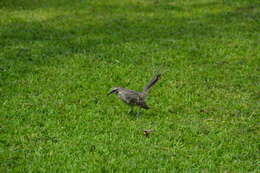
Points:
(135, 98)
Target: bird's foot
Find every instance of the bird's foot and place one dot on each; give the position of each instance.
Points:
(131, 110)
(138, 114)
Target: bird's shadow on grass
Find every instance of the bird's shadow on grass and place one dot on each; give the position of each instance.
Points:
(143, 114)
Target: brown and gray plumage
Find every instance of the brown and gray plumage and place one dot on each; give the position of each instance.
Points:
(135, 98)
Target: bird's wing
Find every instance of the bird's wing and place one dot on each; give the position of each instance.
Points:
(133, 97)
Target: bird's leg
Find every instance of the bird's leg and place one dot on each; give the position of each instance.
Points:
(131, 110)
(138, 112)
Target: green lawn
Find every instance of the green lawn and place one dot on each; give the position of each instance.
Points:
(59, 58)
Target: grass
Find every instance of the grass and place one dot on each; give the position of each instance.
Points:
(58, 59)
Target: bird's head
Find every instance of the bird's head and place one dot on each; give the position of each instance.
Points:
(114, 90)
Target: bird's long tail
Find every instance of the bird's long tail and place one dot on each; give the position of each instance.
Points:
(152, 82)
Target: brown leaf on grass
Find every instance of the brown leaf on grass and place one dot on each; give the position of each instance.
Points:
(147, 132)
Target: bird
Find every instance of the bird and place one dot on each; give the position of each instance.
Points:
(135, 98)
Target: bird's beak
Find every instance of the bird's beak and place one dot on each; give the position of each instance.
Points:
(110, 92)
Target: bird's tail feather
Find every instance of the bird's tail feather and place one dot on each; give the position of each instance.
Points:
(152, 82)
